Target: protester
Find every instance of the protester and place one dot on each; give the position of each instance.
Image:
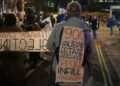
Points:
(29, 19)
(73, 19)
(52, 19)
(94, 25)
(110, 24)
(9, 21)
(1, 21)
(61, 15)
(29, 25)
(46, 21)
(118, 26)
(89, 21)
(12, 70)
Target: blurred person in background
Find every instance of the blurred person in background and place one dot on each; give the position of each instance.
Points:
(52, 19)
(61, 15)
(94, 25)
(12, 67)
(111, 22)
(1, 21)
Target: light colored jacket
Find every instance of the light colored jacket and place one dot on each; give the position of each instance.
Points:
(54, 39)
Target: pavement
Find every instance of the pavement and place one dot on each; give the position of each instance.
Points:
(112, 51)
(107, 57)
(38, 76)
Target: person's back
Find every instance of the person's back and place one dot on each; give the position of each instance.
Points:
(72, 21)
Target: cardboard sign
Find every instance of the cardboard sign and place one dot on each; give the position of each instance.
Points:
(34, 41)
(69, 68)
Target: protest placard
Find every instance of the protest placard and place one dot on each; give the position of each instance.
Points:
(71, 53)
(34, 41)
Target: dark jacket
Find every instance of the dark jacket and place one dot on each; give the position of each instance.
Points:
(12, 70)
(94, 24)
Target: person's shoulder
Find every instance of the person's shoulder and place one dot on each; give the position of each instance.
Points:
(60, 24)
(58, 27)
(84, 26)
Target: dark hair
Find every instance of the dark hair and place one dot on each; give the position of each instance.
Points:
(10, 20)
(73, 9)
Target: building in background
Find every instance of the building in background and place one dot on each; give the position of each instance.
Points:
(102, 4)
(8, 6)
(54, 5)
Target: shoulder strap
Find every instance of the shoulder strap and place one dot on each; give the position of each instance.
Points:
(57, 49)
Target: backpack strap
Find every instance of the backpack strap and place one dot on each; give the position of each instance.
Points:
(57, 49)
(56, 53)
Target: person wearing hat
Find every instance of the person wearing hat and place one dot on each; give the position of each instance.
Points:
(72, 19)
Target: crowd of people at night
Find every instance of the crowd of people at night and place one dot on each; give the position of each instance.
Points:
(12, 64)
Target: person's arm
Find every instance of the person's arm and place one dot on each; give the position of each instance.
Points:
(54, 40)
(51, 43)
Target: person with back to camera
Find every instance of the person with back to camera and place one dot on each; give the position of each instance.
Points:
(58, 43)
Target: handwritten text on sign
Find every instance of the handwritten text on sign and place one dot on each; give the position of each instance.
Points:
(34, 41)
(71, 55)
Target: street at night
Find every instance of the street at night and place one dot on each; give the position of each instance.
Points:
(105, 62)
(59, 42)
